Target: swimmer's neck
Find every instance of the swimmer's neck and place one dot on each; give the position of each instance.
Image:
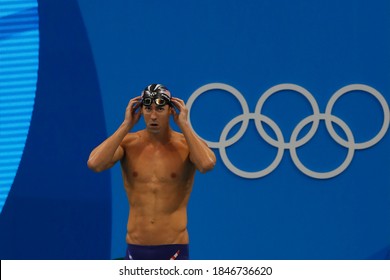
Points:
(160, 137)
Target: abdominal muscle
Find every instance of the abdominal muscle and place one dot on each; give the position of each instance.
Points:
(157, 215)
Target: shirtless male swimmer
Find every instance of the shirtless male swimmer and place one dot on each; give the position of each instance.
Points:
(158, 169)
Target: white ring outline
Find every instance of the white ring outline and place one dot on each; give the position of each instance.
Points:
(378, 96)
(237, 94)
(334, 172)
(228, 163)
(283, 87)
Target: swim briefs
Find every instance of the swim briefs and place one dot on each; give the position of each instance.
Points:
(157, 252)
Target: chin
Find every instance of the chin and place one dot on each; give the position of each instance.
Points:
(154, 130)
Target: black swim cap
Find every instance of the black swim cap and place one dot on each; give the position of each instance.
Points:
(157, 93)
(156, 88)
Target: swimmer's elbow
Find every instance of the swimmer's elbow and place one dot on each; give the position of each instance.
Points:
(94, 166)
(206, 166)
(91, 165)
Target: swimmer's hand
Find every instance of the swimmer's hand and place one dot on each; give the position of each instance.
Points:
(180, 116)
(133, 112)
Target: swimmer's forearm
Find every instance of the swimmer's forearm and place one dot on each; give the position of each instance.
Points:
(109, 151)
(200, 154)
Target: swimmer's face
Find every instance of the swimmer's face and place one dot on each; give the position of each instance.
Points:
(156, 117)
(156, 107)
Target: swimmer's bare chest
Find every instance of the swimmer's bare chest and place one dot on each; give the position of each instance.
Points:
(161, 163)
(158, 182)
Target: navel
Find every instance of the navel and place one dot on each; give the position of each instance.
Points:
(135, 173)
(173, 175)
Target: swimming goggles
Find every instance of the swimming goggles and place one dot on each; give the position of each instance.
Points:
(158, 98)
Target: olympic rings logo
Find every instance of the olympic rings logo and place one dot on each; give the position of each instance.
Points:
(294, 142)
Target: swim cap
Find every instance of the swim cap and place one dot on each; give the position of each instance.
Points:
(157, 93)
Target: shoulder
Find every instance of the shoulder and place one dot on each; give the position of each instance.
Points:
(131, 138)
(179, 140)
(178, 136)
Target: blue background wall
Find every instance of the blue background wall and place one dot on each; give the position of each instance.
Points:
(94, 57)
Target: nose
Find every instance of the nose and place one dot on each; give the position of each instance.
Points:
(153, 114)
